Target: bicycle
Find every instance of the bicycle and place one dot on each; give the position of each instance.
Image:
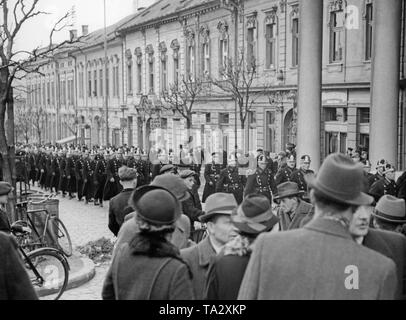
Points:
(47, 268)
(54, 233)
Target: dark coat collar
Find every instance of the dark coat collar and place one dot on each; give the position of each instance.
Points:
(327, 226)
(127, 190)
(205, 251)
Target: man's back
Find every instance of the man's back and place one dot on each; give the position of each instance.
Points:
(318, 262)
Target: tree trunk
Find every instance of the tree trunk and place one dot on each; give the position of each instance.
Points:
(12, 153)
(189, 125)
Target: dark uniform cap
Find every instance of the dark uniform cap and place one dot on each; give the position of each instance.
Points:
(167, 168)
(5, 188)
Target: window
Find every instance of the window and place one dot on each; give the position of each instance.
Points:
(208, 117)
(63, 92)
(139, 78)
(336, 142)
(72, 92)
(69, 94)
(364, 140)
(108, 81)
(191, 60)
(270, 36)
(206, 59)
(364, 114)
(336, 36)
(95, 82)
(129, 77)
(81, 84)
(224, 118)
(223, 55)
(271, 131)
(89, 80)
(336, 114)
(151, 75)
(368, 31)
(48, 93)
(295, 42)
(176, 68)
(116, 87)
(52, 92)
(101, 83)
(164, 74)
(251, 44)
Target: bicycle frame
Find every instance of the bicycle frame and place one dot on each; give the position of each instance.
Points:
(48, 217)
(28, 260)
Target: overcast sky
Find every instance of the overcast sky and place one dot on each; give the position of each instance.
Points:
(88, 12)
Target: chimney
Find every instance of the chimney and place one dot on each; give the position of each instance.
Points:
(73, 34)
(85, 30)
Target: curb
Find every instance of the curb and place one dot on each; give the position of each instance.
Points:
(83, 275)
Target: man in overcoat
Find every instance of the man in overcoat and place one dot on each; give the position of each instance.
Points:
(322, 261)
(219, 208)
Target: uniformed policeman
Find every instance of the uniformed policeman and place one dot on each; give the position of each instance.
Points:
(78, 175)
(70, 174)
(211, 175)
(99, 180)
(231, 181)
(88, 169)
(387, 186)
(262, 181)
(62, 173)
(379, 175)
(286, 170)
(298, 176)
(113, 186)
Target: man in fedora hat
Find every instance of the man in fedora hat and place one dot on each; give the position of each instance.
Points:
(298, 176)
(292, 209)
(262, 181)
(285, 171)
(253, 217)
(386, 185)
(390, 214)
(388, 243)
(322, 261)
(219, 208)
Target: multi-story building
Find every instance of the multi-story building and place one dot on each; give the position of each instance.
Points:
(152, 49)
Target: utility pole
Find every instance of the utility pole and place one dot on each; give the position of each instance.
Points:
(106, 93)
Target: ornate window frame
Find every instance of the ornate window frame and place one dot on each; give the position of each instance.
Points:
(252, 23)
(271, 18)
(205, 42)
(335, 6)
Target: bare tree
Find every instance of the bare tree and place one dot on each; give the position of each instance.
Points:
(15, 65)
(182, 96)
(38, 116)
(239, 80)
(23, 121)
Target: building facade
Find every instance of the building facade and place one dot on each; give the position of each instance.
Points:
(150, 50)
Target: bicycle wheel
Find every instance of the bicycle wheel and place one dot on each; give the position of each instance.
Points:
(48, 273)
(62, 238)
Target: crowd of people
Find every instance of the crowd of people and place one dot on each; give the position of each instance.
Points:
(284, 232)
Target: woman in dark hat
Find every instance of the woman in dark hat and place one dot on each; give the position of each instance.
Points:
(150, 267)
(253, 217)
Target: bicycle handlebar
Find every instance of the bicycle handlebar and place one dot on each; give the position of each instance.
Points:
(48, 197)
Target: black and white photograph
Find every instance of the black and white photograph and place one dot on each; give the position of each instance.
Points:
(202, 150)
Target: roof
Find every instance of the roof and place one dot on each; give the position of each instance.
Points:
(161, 9)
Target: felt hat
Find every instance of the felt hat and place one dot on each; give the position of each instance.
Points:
(219, 204)
(167, 168)
(254, 215)
(187, 174)
(392, 209)
(288, 189)
(5, 188)
(340, 179)
(156, 205)
(173, 183)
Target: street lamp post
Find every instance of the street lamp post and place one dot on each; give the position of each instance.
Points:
(236, 7)
(106, 78)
